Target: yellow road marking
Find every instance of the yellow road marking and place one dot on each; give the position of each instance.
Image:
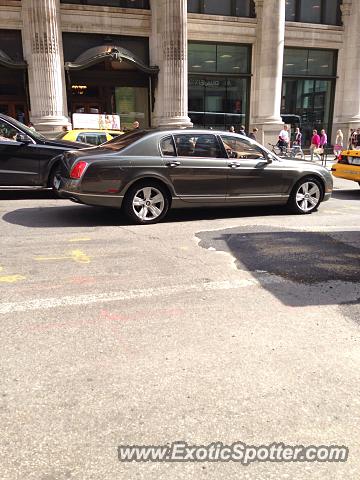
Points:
(76, 255)
(80, 239)
(11, 278)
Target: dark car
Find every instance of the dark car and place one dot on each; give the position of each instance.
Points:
(146, 172)
(27, 158)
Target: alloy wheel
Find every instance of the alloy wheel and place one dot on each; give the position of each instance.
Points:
(148, 204)
(308, 196)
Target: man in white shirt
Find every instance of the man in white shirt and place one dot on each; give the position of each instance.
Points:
(284, 138)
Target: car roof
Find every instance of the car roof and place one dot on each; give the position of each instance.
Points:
(191, 131)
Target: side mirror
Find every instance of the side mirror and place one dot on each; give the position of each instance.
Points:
(23, 138)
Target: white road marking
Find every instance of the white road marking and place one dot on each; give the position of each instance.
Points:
(75, 300)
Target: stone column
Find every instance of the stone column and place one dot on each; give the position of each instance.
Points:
(168, 46)
(347, 98)
(267, 69)
(42, 44)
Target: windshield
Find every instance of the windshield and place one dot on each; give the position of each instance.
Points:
(123, 141)
(27, 130)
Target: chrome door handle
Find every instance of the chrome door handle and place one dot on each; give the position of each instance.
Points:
(173, 164)
(234, 164)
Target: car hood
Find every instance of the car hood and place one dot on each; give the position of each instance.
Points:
(295, 162)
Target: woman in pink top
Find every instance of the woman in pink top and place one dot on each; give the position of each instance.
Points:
(323, 139)
(315, 143)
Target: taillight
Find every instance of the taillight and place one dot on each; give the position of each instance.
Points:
(77, 170)
(339, 158)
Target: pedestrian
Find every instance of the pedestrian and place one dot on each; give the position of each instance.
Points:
(232, 129)
(315, 143)
(136, 125)
(242, 130)
(352, 139)
(252, 135)
(284, 138)
(357, 145)
(339, 143)
(297, 141)
(323, 139)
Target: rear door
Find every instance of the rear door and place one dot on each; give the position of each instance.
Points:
(19, 162)
(196, 166)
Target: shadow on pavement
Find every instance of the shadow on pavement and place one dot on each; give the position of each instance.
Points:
(27, 194)
(299, 268)
(347, 194)
(85, 216)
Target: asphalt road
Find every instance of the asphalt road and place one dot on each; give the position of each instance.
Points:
(216, 325)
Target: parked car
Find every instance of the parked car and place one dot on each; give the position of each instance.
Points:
(147, 171)
(348, 166)
(89, 136)
(27, 158)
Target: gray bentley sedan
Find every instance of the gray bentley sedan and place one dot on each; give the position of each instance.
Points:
(145, 172)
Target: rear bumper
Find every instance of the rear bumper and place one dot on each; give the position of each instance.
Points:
(68, 189)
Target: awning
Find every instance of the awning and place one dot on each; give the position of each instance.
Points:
(98, 54)
(6, 61)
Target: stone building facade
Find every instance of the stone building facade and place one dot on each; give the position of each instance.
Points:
(176, 62)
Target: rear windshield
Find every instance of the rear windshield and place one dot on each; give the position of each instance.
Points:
(123, 141)
(350, 160)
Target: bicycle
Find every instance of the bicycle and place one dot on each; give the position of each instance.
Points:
(286, 152)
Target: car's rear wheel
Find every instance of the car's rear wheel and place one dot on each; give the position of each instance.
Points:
(305, 196)
(146, 202)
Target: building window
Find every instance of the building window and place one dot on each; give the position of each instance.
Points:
(308, 89)
(219, 84)
(314, 11)
(143, 4)
(234, 8)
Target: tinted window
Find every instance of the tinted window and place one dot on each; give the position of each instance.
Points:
(237, 148)
(112, 3)
(197, 146)
(303, 61)
(237, 8)
(167, 147)
(216, 7)
(221, 58)
(314, 11)
(7, 132)
(290, 10)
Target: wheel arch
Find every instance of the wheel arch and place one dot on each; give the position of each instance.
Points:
(310, 175)
(154, 179)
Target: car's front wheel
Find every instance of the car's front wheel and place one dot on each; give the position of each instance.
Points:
(146, 202)
(55, 173)
(306, 196)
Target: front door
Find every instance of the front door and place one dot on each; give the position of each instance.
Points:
(199, 170)
(19, 162)
(251, 177)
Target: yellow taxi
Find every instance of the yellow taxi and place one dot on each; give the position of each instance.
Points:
(348, 165)
(89, 136)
